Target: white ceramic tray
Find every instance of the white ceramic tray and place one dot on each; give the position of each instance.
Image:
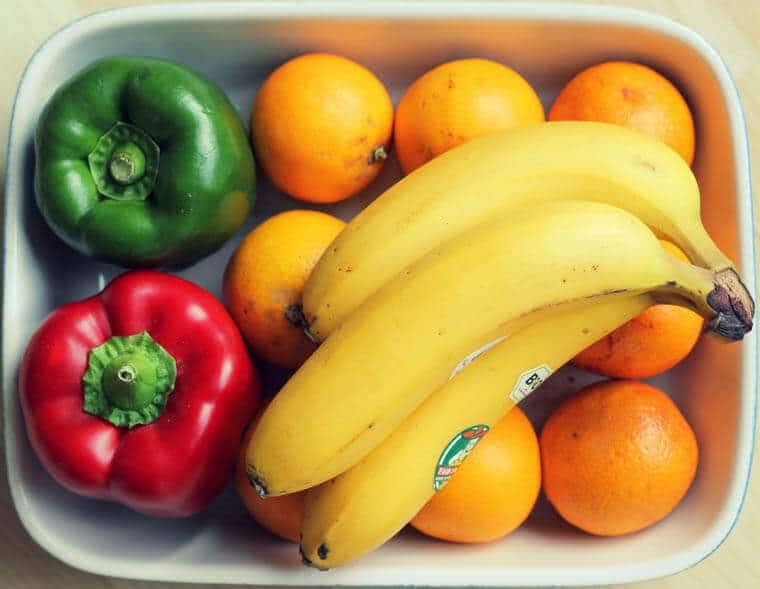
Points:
(237, 45)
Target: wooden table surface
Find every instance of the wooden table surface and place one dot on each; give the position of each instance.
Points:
(732, 26)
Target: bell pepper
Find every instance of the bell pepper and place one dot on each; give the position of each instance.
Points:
(140, 394)
(143, 163)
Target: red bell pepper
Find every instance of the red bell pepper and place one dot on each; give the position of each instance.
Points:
(140, 394)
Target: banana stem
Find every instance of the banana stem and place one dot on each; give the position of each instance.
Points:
(700, 248)
(731, 296)
(720, 297)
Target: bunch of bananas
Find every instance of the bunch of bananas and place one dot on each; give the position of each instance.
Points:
(456, 294)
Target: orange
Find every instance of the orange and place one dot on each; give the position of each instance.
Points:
(321, 127)
(617, 457)
(458, 101)
(265, 278)
(630, 95)
(280, 515)
(649, 344)
(494, 489)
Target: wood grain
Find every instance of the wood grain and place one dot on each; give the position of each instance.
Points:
(731, 26)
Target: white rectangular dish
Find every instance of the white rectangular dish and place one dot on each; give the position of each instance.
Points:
(238, 45)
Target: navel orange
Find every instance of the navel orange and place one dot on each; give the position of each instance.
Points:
(493, 491)
(321, 127)
(266, 276)
(631, 95)
(458, 101)
(617, 457)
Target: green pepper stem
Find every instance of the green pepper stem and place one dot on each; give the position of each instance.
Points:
(127, 164)
(124, 163)
(128, 380)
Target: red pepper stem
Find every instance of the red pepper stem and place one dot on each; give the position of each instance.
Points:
(128, 380)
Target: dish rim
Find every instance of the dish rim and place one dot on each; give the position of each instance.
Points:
(564, 12)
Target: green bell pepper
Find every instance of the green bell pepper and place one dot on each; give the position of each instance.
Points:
(142, 162)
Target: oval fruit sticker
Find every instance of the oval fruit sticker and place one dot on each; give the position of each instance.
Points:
(529, 381)
(455, 453)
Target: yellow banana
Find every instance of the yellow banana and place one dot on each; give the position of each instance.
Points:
(365, 506)
(404, 341)
(493, 176)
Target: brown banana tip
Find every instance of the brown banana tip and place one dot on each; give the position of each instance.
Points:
(312, 338)
(732, 304)
(294, 313)
(256, 483)
(308, 562)
(304, 559)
